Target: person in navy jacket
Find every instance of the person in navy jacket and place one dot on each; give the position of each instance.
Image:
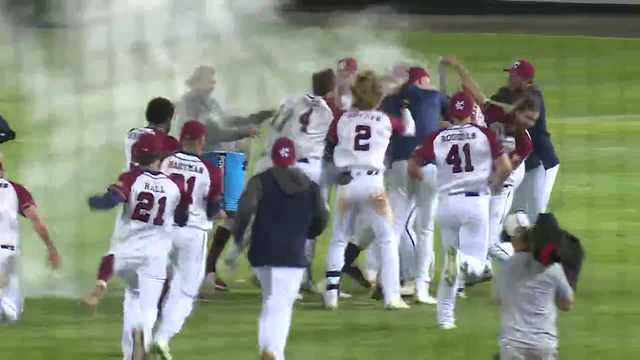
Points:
(287, 208)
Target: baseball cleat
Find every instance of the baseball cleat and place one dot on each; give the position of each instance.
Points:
(451, 267)
(422, 294)
(161, 350)
(266, 355)
(330, 299)
(299, 297)
(95, 297)
(356, 274)
(221, 285)
(376, 293)
(344, 295)
(408, 289)
(460, 293)
(397, 304)
(487, 275)
(447, 326)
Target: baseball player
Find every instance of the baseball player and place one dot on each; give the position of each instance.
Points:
(305, 120)
(361, 139)
(16, 200)
(528, 291)
(287, 208)
(159, 114)
(223, 132)
(543, 163)
(428, 106)
(152, 203)
(470, 164)
(510, 125)
(204, 186)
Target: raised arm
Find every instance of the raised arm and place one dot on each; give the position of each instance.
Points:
(31, 213)
(467, 81)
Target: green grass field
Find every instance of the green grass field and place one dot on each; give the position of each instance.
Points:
(592, 91)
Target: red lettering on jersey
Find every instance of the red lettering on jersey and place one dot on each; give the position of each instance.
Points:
(25, 200)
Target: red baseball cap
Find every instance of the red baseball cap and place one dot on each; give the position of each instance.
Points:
(193, 130)
(147, 144)
(461, 105)
(522, 68)
(416, 73)
(283, 152)
(348, 64)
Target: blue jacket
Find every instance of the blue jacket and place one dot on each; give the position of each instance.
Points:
(426, 106)
(288, 209)
(543, 150)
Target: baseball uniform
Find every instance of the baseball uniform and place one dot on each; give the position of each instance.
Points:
(151, 201)
(464, 157)
(14, 199)
(361, 139)
(203, 183)
(516, 145)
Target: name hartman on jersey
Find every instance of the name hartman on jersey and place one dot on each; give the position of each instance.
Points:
(458, 137)
(178, 165)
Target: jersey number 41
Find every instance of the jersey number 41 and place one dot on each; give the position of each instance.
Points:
(455, 160)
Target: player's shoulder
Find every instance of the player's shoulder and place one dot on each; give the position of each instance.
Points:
(17, 187)
(135, 133)
(130, 176)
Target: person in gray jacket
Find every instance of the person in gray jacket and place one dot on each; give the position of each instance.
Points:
(529, 294)
(198, 104)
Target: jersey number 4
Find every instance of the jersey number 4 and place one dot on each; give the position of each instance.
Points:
(146, 202)
(454, 158)
(361, 141)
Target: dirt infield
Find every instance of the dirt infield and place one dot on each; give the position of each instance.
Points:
(602, 26)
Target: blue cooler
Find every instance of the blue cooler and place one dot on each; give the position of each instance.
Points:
(234, 166)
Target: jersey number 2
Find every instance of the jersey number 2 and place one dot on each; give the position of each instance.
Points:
(142, 211)
(453, 158)
(363, 134)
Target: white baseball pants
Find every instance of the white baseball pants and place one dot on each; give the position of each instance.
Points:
(365, 197)
(188, 267)
(11, 300)
(144, 271)
(534, 193)
(464, 225)
(280, 286)
(499, 206)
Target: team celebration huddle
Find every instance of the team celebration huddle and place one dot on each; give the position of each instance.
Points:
(394, 155)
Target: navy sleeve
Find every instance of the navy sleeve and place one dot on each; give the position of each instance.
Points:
(541, 139)
(107, 201)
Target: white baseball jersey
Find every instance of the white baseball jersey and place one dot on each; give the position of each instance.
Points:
(169, 143)
(14, 199)
(305, 120)
(463, 155)
(151, 199)
(362, 138)
(203, 183)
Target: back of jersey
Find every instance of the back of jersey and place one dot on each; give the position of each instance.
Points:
(132, 137)
(203, 183)
(8, 214)
(464, 156)
(305, 120)
(362, 139)
(151, 201)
